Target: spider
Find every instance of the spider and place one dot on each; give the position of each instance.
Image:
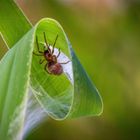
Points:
(52, 66)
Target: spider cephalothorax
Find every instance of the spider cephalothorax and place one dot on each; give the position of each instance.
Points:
(52, 66)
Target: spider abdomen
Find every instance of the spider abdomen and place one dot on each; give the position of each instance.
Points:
(55, 69)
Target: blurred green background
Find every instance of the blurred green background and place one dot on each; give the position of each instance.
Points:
(105, 35)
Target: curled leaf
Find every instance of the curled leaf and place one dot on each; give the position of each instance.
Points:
(69, 95)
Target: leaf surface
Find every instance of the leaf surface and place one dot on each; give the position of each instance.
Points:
(70, 95)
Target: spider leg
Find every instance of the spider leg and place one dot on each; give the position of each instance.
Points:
(54, 44)
(46, 69)
(58, 53)
(38, 45)
(41, 54)
(41, 61)
(65, 62)
(46, 42)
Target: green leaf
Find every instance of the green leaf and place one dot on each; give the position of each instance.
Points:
(12, 27)
(60, 97)
(14, 73)
(69, 95)
(13, 24)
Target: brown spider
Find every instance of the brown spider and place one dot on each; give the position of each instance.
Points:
(52, 66)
